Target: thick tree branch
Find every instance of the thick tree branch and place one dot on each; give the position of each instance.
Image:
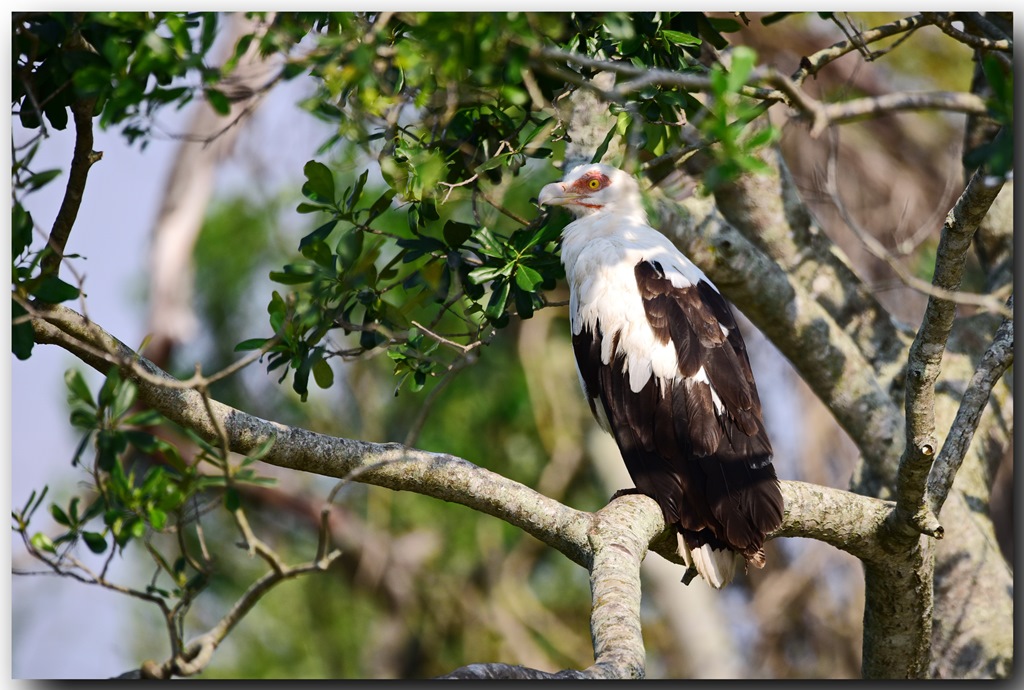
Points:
(951, 101)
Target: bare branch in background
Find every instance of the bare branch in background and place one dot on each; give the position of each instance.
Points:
(811, 65)
(190, 186)
(831, 188)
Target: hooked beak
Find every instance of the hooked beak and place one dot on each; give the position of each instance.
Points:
(554, 194)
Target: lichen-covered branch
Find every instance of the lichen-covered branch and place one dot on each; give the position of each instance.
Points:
(898, 602)
(848, 111)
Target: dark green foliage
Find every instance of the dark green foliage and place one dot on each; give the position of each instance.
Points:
(128, 62)
(997, 154)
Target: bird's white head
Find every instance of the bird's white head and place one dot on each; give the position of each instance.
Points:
(594, 188)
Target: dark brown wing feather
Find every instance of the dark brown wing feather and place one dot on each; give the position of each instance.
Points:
(711, 474)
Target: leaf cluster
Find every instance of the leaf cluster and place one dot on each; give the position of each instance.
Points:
(29, 282)
(141, 488)
(130, 64)
(362, 272)
(727, 121)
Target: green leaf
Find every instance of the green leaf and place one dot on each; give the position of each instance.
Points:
(527, 278)
(323, 374)
(318, 253)
(293, 275)
(21, 230)
(96, 542)
(59, 515)
(319, 184)
(524, 304)
(22, 335)
(53, 290)
(680, 38)
(352, 198)
(40, 179)
(485, 274)
(350, 246)
(250, 344)
(455, 233)
(277, 310)
(143, 418)
(125, 399)
(108, 445)
(311, 208)
(762, 137)
(725, 24)
(83, 419)
(383, 203)
(110, 388)
(498, 301)
(1000, 80)
(41, 542)
(320, 234)
(157, 519)
(218, 101)
(490, 244)
(78, 388)
(743, 59)
(232, 500)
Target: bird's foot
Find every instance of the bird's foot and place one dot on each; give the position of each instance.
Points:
(624, 492)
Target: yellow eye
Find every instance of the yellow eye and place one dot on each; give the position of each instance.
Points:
(594, 183)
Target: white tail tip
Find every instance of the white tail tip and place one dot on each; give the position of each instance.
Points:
(716, 566)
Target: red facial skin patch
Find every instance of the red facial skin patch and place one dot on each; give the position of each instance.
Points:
(584, 186)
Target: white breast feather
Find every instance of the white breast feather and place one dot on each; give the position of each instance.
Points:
(600, 255)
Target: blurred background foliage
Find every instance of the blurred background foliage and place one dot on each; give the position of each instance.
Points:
(418, 209)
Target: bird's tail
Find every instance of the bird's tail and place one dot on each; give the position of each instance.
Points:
(713, 561)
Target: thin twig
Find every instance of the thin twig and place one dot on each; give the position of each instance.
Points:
(996, 360)
(987, 302)
(925, 358)
(943, 21)
(812, 64)
(81, 161)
